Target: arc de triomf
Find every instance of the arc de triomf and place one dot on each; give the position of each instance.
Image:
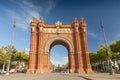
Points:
(45, 36)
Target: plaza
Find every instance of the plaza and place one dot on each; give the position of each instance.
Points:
(61, 76)
(59, 40)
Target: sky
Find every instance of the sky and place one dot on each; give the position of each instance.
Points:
(63, 10)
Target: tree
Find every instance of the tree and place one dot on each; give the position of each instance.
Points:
(3, 58)
(65, 66)
(115, 47)
(20, 59)
(4, 55)
(52, 66)
(93, 57)
(102, 56)
(93, 60)
(101, 53)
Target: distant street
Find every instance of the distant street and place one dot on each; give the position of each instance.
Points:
(60, 76)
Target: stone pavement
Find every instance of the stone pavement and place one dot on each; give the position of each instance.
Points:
(61, 76)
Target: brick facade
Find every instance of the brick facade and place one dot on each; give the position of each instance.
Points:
(45, 36)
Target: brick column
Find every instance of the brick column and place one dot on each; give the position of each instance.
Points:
(71, 62)
(78, 55)
(32, 56)
(40, 56)
(78, 58)
(85, 53)
(46, 64)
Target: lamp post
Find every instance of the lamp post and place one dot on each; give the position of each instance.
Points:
(10, 49)
(107, 51)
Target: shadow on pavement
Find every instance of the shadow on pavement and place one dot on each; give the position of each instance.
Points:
(85, 78)
(76, 76)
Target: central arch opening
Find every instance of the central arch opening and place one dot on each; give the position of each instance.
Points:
(59, 58)
(57, 64)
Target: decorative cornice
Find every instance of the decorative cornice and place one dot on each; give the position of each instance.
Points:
(58, 30)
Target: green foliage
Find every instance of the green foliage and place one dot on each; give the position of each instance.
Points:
(52, 66)
(16, 56)
(115, 47)
(3, 55)
(101, 54)
(93, 57)
(20, 56)
(65, 66)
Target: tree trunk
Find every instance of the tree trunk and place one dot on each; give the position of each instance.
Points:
(3, 67)
(19, 65)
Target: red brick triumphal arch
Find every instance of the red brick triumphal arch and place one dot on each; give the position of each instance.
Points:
(45, 36)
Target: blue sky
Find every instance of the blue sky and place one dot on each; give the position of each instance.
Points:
(64, 11)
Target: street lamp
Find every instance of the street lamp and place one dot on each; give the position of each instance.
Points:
(107, 51)
(10, 49)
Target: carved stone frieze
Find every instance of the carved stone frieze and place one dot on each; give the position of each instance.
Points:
(58, 30)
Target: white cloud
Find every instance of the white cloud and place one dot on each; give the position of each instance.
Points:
(24, 39)
(95, 36)
(65, 59)
(27, 50)
(50, 5)
(20, 22)
(27, 9)
(61, 62)
(30, 9)
(91, 34)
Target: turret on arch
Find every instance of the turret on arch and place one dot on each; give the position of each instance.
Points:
(72, 36)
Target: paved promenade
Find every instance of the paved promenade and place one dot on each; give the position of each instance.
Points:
(60, 76)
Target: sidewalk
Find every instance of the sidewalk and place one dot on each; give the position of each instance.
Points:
(61, 76)
(100, 76)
